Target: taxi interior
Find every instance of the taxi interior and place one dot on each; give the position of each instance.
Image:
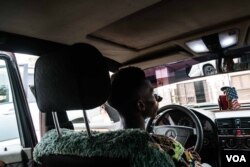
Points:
(173, 41)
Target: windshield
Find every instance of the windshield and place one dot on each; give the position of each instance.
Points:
(174, 83)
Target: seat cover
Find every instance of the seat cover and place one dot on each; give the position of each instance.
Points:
(131, 144)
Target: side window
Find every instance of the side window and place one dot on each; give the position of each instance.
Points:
(98, 119)
(26, 65)
(9, 135)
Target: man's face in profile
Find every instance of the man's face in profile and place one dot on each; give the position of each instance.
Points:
(148, 98)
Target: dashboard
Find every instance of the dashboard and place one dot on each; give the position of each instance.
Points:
(225, 132)
(210, 140)
(233, 134)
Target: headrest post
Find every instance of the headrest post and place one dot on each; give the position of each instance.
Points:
(56, 122)
(86, 122)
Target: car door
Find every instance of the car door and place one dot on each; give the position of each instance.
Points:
(17, 134)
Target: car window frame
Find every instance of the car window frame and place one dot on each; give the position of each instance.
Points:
(25, 125)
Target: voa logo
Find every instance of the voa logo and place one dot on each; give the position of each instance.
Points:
(236, 158)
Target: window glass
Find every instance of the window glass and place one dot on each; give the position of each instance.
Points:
(241, 82)
(8, 123)
(26, 64)
(98, 119)
(171, 83)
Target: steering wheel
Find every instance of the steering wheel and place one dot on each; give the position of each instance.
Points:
(180, 133)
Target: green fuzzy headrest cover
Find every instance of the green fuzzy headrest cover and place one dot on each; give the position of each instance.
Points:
(132, 144)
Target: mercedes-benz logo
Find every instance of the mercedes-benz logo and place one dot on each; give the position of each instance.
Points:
(171, 133)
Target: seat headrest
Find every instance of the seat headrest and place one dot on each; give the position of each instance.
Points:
(77, 78)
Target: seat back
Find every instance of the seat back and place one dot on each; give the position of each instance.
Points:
(73, 79)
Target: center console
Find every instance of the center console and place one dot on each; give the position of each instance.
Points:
(234, 139)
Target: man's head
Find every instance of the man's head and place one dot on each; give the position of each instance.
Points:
(132, 92)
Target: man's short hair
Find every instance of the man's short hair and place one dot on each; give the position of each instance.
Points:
(125, 85)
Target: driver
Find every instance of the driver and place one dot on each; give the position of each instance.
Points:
(133, 97)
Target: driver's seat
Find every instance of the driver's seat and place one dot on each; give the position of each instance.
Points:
(63, 81)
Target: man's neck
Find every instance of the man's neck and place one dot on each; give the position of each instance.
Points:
(134, 121)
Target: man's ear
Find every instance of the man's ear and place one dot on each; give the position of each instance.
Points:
(141, 105)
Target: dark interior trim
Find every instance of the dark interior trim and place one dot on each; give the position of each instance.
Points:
(28, 45)
(22, 44)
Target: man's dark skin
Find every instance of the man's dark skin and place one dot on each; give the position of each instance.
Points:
(134, 99)
(146, 106)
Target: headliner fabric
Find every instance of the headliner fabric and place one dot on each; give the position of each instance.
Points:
(76, 78)
(131, 144)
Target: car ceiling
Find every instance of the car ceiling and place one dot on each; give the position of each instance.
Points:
(142, 32)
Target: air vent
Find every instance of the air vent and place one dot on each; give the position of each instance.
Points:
(245, 122)
(225, 123)
(233, 123)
